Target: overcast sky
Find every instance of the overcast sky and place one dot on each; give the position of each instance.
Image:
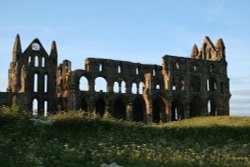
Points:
(132, 30)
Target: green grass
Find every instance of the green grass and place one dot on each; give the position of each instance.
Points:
(76, 140)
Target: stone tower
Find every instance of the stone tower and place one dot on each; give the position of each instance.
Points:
(32, 74)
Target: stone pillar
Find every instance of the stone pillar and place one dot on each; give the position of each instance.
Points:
(149, 107)
(120, 88)
(186, 109)
(91, 85)
(167, 114)
(128, 88)
(147, 94)
(109, 86)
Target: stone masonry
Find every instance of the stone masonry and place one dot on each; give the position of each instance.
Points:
(180, 88)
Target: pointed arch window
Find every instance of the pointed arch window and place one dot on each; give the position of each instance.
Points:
(35, 107)
(119, 69)
(140, 91)
(83, 84)
(116, 87)
(29, 60)
(123, 87)
(35, 84)
(43, 62)
(45, 108)
(36, 62)
(46, 83)
(137, 71)
(100, 67)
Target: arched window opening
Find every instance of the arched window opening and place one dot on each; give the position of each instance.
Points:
(100, 84)
(119, 69)
(35, 107)
(119, 110)
(137, 71)
(83, 84)
(84, 105)
(45, 108)
(157, 86)
(211, 108)
(35, 84)
(36, 61)
(46, 83)
(208, 85)
(138, 109)
(140, 88)
(100, 67)
(29, 60)
(43, 62)
(175, 114)
(134, 88)
(177, 65)
(195, 84)
(100, 107)
(153, 72)
(158, 110)
(177, 111)
(212, 84)
(66, 68)
(123, 87)
(196, 106)
(116, 87)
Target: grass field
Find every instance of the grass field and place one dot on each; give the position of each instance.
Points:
(76, 140)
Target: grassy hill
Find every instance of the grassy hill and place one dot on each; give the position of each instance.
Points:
(76, 140)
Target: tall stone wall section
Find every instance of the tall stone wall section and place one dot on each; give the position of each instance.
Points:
(180, 88)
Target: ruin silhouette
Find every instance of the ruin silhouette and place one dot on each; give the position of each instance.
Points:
(180, 88)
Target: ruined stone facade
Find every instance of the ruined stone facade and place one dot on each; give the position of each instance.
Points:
(180, 88)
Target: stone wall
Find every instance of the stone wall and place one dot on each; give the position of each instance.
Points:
(180, 88)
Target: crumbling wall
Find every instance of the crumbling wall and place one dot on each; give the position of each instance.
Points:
(180, 88)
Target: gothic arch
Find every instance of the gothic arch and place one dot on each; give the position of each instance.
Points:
(83, 83)
(196, 106)
(138, 109)
(212, 107)
(158, 109)
(195, 83)
(177, 110)
(119, 108)
(101, 84)
(84, 105)
(100, 106)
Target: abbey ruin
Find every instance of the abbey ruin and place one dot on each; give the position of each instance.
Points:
(180, 88)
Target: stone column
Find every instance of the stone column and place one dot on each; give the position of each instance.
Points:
(186, 109)
(91, 85)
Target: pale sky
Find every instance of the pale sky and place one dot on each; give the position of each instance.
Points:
(132, 30)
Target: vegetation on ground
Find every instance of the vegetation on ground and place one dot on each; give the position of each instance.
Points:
(75, 139)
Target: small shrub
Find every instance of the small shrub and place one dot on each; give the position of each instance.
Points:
(13, 109)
